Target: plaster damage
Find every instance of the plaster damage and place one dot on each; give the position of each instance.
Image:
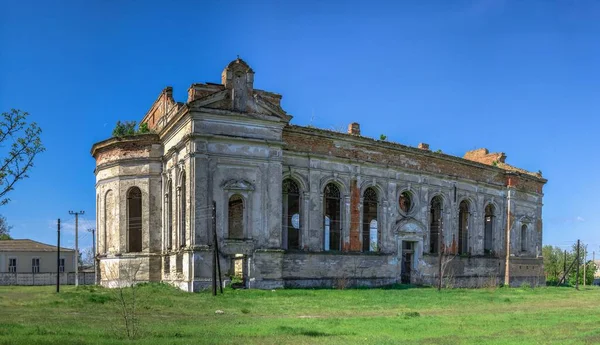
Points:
(233, 145)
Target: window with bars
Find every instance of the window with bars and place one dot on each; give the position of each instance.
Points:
(35, 265)
(12, 265)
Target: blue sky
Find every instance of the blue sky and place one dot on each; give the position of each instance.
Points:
(514, 76)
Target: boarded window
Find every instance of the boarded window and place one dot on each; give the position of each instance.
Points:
(488, 234)
(236, 217)
(291, 214)
(370, 235)
(332, 217)
(524, 238)
(435, 224)
(463, 226)
(134, 220)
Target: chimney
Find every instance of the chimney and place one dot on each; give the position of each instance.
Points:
(423, 146)
(354, 128)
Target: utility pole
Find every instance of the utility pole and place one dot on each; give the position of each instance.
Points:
(58, 257)
(577, 273)
(76, 245)
(93, 231)
(584, 258)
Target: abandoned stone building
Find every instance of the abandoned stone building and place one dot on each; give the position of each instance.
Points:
(295, 206)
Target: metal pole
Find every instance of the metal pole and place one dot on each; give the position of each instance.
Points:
(58, 257)
(577, 273)
(76, 245)
(440, 249)
(217, 249)
(215, 259)
(584, 258)
(508, 225)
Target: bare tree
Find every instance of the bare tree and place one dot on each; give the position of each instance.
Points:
(4, 229)
(22, 142)
(123, 278)
(88, 256)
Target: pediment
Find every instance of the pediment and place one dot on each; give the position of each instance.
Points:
(235, 184)
(258, 105)
(409, 227)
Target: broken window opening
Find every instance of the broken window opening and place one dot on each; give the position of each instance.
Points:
(463, 226)
(169, 215)
(405, 201)
(236, 217)
(134, 220)
(488, 234)
(291, 214)
(370, 235)
(435, 224)
(182, 206)
(524, 238)
(332, 217)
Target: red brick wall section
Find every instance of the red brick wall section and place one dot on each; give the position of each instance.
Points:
(303, 140)
(354, 216)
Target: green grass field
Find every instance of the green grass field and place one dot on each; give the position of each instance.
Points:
(37, 315)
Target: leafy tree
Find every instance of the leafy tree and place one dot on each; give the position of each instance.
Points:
(4, 229)
(20, 142)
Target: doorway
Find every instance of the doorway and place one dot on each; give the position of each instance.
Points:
(408, 253)
(238, 271)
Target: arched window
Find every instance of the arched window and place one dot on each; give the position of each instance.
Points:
(435, 224)
(134, 220)
(291, 214)
(463, 227)
(488, 233)
(236, 217)
(332, 217)
(169, 216)
(182, 211)
(370, 235)
(524, 238)
(109, 219)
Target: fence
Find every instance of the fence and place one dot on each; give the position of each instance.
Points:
(28, 278)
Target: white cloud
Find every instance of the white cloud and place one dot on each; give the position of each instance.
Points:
(579, 219)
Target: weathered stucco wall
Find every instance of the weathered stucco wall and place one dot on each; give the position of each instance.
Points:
(231, 140)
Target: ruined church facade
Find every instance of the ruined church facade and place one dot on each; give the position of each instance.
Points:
(294, 206)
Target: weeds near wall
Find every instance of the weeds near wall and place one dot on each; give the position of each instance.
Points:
(124, 281)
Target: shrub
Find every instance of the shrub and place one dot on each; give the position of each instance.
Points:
(128, 128)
